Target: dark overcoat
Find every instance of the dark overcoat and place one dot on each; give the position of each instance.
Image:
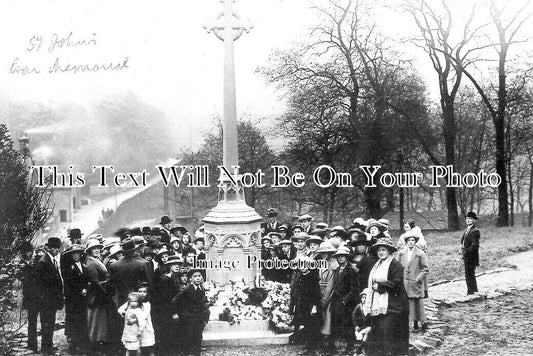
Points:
(76, 281)
(305, 293)
(192, 307)
(470, 243)
(126, 273)
(49, 284)
(344, 299)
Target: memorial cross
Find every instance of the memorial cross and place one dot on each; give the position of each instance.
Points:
(228, 27)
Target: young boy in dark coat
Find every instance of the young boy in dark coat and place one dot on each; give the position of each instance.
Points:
(192, 307)
(362, 322)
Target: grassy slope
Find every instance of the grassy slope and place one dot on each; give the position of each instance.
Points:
(496, 243)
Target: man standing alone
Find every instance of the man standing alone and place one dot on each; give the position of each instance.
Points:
(470, 249)
(49, 285)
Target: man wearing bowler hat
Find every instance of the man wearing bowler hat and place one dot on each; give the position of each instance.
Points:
(164, 227)
(75, 236)
(470, 250)
(49, 285)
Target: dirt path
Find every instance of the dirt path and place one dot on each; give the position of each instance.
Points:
(493, 326)
(499, 326)
(520, 279)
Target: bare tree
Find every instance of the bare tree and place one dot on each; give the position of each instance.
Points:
(446, 52)
(507, 24)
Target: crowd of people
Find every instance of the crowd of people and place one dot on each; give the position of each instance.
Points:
(138, 290)
(370, 291)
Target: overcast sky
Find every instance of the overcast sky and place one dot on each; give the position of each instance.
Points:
(173, 63)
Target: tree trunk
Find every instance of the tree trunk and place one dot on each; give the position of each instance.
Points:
(373, 202)
(402, 209)
(449, 143)
(530, 196)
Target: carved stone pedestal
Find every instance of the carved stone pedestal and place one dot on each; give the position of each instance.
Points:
(233, 233)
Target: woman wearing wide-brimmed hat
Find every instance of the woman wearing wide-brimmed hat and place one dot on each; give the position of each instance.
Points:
(387, 303)
(416, 269)
(99, 301)
(345, 297)
(361, 259)
(74, 273)
(115, 253)
(412, 230)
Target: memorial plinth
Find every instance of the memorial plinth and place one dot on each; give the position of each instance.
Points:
(233, 233)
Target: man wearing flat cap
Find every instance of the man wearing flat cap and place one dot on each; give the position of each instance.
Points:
(49, 284)
(470, 250)
(305, 221)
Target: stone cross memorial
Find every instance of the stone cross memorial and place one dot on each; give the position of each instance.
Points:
(232, 228)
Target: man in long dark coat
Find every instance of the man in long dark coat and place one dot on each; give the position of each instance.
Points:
(470, 249)
(127, 272)
(49, 285)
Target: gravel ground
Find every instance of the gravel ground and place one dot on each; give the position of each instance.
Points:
(500, 326)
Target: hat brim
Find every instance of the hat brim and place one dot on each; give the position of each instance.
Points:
(378, 225)
(80, 250)
(411, 237)
(115, 253)
(338, 254)
(52, 245)
(391, 248)
(313, 240)
(331, 250)
(94, 246)
(173, 262)
(294, 239)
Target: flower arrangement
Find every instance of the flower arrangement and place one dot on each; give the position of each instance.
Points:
(269, 301)
(276, 306)
(238, 296)
(212, 290)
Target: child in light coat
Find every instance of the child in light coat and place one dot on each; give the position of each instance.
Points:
(148, 334)
(135, 318)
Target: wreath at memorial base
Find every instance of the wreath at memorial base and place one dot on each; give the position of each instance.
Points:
(242, 302)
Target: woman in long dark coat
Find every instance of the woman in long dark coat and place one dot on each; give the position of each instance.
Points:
(76, 283)
(344, 298)
(164, 310)
(99, 301)
(387, 303)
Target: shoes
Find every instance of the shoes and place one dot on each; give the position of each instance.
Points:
(415, 327)
(49, 350)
